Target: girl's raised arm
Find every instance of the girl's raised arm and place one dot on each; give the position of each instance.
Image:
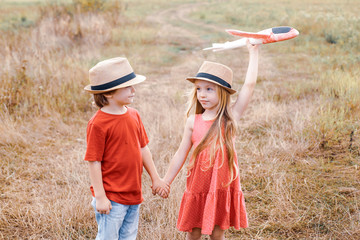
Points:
(247, 89)
(180, 156)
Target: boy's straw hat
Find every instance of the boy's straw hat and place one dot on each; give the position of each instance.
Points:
(112, 74)
(216, 73)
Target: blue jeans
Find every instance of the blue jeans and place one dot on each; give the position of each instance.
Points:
(121, 224)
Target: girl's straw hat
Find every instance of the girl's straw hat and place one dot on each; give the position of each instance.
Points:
(216, 73)
(112, 74)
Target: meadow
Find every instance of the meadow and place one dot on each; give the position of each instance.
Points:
(299, 141)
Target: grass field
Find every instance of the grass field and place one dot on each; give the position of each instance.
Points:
(299, 144)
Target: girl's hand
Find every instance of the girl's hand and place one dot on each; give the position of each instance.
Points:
(103, 205)
(252, 48)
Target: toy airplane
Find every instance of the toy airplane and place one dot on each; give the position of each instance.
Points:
(269, 35)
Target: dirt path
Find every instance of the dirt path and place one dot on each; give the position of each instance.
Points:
(178, 14)
(177, 27)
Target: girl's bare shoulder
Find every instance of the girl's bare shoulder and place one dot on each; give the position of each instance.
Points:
(190, 122)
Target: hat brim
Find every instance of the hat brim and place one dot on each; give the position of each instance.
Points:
(193, 79)
(134, 81)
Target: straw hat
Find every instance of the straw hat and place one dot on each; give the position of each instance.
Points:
(112, 74)
(216, 73)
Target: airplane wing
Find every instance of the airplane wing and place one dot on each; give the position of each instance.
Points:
(247, 34)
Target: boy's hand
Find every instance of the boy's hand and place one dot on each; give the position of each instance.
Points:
(103, 205)
(161, 188)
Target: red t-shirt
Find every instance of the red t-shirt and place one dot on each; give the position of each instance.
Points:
(116, 141)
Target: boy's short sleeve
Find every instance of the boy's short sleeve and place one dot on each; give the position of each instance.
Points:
(95, 140)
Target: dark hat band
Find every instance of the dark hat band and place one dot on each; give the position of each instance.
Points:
(214, 78)
(114, 83)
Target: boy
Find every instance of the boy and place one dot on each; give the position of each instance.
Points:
(117, 150)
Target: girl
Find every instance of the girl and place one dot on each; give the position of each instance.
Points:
(213, 200)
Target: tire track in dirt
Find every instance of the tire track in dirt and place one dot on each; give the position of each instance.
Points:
(177, 14)
(177, 28)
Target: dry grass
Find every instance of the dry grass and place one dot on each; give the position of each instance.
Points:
(299, 143)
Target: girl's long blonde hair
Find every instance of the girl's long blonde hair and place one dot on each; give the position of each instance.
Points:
(220, 135)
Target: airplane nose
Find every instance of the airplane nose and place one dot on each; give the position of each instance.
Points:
(296, 31)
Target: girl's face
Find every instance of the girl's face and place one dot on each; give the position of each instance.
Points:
(123, 96)
(206, 93)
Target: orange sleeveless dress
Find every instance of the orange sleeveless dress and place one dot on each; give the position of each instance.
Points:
(207, 201)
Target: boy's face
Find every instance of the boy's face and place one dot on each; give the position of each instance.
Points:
(122, 96)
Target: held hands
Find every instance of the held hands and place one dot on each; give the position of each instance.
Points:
(161, 188)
